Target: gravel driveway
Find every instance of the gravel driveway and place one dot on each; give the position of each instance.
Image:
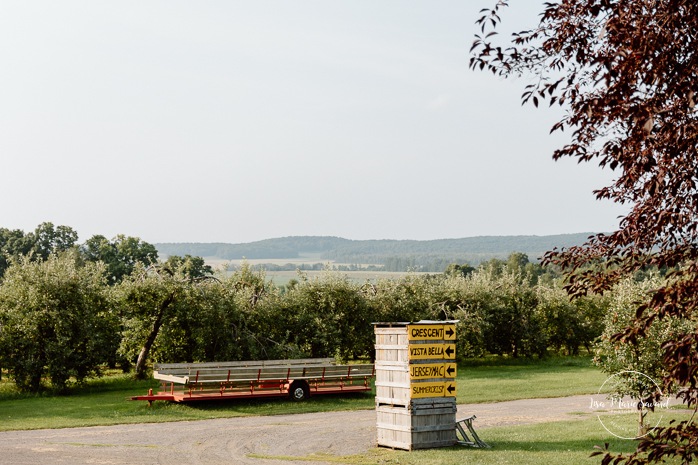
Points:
(231, 441)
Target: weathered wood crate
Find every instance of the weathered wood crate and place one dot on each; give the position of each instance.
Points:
(392, 384)
(423, 425)
(391, 345)
(392, 359)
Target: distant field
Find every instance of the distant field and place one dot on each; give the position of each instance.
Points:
(303, 259)
(281, 278)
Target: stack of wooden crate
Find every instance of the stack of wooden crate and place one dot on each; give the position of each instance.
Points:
(415, 384)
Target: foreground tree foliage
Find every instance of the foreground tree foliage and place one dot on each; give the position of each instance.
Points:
(627, 74)
(55, 321)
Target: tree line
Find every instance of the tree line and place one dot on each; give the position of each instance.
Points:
(67, 309)
(387, 255)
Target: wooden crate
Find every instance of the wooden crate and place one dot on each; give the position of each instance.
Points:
(392, 361)
(392, 384)
(420, 425)
(392, 344)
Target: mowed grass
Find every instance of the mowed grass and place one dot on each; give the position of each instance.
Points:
(106, 401)
(552, 443)
(497, 379)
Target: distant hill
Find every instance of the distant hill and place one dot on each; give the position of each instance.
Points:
(432, 255)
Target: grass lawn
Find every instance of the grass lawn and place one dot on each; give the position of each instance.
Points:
(554, 443)
(105, 401)
(501, 379)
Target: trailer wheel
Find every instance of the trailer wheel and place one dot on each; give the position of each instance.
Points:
(299, 391)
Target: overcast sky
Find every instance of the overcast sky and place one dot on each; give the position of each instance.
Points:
(235, 121)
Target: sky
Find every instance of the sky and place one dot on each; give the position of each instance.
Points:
(241, 120)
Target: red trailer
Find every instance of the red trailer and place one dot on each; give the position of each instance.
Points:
(298, 379)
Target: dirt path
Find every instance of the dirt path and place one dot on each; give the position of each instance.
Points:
(237, 440)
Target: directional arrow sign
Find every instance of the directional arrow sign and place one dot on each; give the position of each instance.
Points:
(450, 332)
(432, 351)
(432, 370)
(425, 332)
(436, 389)
(424, 390)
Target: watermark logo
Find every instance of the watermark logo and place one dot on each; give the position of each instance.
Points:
(622, 411)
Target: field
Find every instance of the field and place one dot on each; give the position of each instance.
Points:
(281, 278)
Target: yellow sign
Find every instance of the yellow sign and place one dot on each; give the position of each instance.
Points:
(425, 332)
(431, 332)
(424, 390)
(432, 351)
(433, 370)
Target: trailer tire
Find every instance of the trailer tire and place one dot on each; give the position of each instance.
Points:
(299, 391)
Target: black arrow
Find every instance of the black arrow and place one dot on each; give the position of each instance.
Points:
(450, 370)
(451, 388)
(450, 351)
(450, 332)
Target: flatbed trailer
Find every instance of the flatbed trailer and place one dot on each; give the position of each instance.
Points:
(297, 379)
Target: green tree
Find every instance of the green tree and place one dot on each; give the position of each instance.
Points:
(146, 300)
(188, 266)
(201, 325)
(13, 243)
(507, 303)
(176, 311)
(636, 365)
(328, 317)
(55, 321)
(120, 255)
(517, 261)
(260, 327)
(403, 299)
(569, 324)
(455, 269)
(48, 239)
(451, 299)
